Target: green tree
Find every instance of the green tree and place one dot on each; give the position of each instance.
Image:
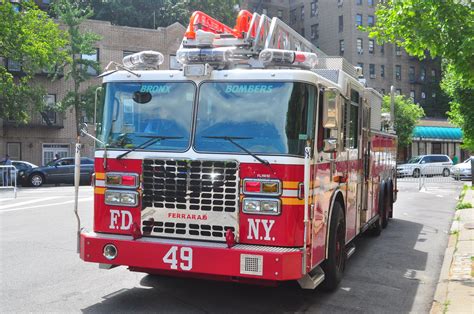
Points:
(72, 13)
(161, 13)
(407, 115)
(443, 29)
(29, 37)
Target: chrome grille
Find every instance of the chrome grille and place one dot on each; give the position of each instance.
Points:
(190, 198)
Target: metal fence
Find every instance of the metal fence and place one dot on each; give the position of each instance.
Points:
(8, 179)
(424, 176)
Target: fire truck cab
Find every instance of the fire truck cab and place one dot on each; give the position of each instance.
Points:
(259, 161)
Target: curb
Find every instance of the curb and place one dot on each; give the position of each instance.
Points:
(440, 298)
(441, 293)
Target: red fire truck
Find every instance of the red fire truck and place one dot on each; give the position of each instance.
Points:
(259, 161)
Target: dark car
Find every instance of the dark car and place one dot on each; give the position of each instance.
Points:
(21, 168)
(58, 171)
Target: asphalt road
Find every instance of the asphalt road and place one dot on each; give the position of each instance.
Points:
(41, 272)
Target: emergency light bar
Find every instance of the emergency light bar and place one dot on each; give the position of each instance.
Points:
(221, 55)
(278, 57)
(143, 60)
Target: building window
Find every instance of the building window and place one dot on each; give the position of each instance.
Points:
(359, 2)
(423, 95)
(360, 48)
(370, 20)
(370, 3)
(341, 46)
(435, 148)
(91, 57)
(371, 45)
(293, 16)
(361, 65)
(398, 50)
(382, 70)
(280, 14)
(412, 95)
(50, 151)
(358, 19)
(411, 74)
(422, 74)
(372, 71)
(382, 91)
(49, 114)
(433, 75)
(127, 53)
(382, 48)
(398, 92)
(315, 31)
(302, 32)
(14, 150)
(13, 66)
(398, 72)
(341, 23)
(302, 12)
(314, 8)
(264, 11)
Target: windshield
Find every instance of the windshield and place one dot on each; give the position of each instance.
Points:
(133, 112)
(414, 160)
(265, 118)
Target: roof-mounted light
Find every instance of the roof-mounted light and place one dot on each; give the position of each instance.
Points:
(221, 55)
(143, 60)
(278, 57)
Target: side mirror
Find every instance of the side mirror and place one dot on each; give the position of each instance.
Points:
(83, 127)
(331, 104)
(330, 145)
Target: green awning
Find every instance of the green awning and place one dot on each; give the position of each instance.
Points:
(437, 132)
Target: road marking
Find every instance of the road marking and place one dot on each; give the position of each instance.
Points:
(45, 205)
(29, 202)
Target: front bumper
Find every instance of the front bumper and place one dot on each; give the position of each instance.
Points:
(404, 172)
(207, 259)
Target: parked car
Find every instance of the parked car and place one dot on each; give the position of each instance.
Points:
(462, 170)
(21, 168)
(58, 171)
(426, 165)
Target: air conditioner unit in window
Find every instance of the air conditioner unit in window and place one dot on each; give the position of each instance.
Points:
(372, 76)
(340, 3)
(399, 52)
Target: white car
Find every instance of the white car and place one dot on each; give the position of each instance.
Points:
(462, 170)
(426, 165)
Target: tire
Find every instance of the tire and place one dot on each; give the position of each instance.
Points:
(378, 224)
(387, 206)
(335, 263)
(416, 173)
(446, 172)
(36, 180)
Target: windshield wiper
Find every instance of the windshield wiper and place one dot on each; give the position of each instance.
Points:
(232, 138)
(152, 139)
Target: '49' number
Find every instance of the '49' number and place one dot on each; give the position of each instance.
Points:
(185, 258)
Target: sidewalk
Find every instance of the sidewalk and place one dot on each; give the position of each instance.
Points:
(455, 289)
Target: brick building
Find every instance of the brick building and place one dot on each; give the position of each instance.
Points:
(332, 25)
(49, 133)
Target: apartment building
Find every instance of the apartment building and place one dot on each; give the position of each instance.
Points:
(49, 133)
(333, 26)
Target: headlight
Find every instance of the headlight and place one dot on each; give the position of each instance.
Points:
(261, 206)
(123, 198)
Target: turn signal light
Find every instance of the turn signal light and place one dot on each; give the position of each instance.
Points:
(121, 180)
(264, 187)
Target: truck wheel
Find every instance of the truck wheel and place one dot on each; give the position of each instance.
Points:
(378, 224)
(387, 205)
(36, 180)
(335, 263)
